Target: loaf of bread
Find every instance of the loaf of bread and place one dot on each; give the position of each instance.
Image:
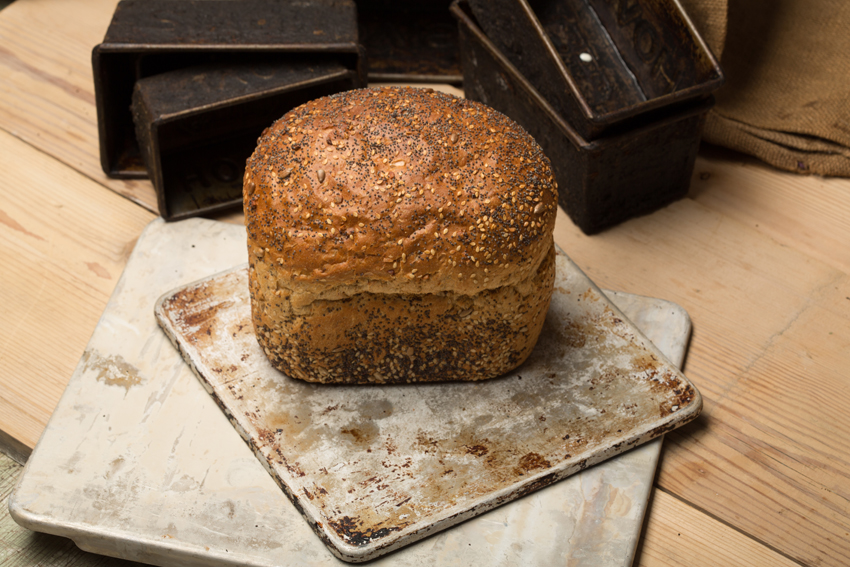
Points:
(398, 235)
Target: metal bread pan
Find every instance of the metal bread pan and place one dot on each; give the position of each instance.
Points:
(604, 64)
(601, 182)
(197, 126)
(412, 42)
(148, 37)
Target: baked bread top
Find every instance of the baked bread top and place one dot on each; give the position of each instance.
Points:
(398, 190)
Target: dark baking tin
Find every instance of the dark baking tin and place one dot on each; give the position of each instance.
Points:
(148, 37)
(600, 182)
(197, 126)
(603, 64)
(413, 41)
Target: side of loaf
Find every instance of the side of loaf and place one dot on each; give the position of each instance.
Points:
(398, 235)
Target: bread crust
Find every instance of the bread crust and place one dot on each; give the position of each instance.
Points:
(396, 197)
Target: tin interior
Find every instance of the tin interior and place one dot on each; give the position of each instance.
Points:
(604, 64)
(116, 73)
(621, 53)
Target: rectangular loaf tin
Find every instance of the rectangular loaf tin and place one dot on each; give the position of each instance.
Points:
(149, 37)
(604, 65)
(600, 182)
(197, 126)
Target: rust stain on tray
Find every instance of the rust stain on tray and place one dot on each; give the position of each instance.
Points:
(375, 467)
(193, 311)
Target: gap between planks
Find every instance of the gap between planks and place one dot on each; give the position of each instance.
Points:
(701, 539)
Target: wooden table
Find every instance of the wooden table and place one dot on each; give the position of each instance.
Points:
(759, 258)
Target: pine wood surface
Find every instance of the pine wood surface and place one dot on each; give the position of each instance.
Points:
(759, 258)
(64, 241)
(679, 534)
(770, 454)
(47, 86)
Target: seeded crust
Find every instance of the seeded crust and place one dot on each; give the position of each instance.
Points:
(384, 224)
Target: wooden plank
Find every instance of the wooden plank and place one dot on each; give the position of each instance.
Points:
(780, 439)
(678, 534)
(758, 258)
(64, 241)
(47, 87)
(806, 212)
(769, 455)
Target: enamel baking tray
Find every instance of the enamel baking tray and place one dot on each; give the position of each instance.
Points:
(138, 462)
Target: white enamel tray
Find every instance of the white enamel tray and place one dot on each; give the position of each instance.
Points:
(138, 461)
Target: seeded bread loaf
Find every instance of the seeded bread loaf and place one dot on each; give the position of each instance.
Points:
(398, 235)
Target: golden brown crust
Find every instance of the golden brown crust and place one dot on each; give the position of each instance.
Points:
(407, 189)
(392, 338)
(397, 235)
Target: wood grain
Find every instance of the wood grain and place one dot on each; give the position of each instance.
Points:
(46, 84)
(806, 212)
(771, 315)
(678, 534)
(64, 241)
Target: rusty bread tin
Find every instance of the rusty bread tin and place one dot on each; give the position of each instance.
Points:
(603, 64)
(148, 37)
(197, 126)
(600, 182)
(413, 41)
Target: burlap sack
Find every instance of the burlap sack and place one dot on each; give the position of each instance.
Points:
(787, 93)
